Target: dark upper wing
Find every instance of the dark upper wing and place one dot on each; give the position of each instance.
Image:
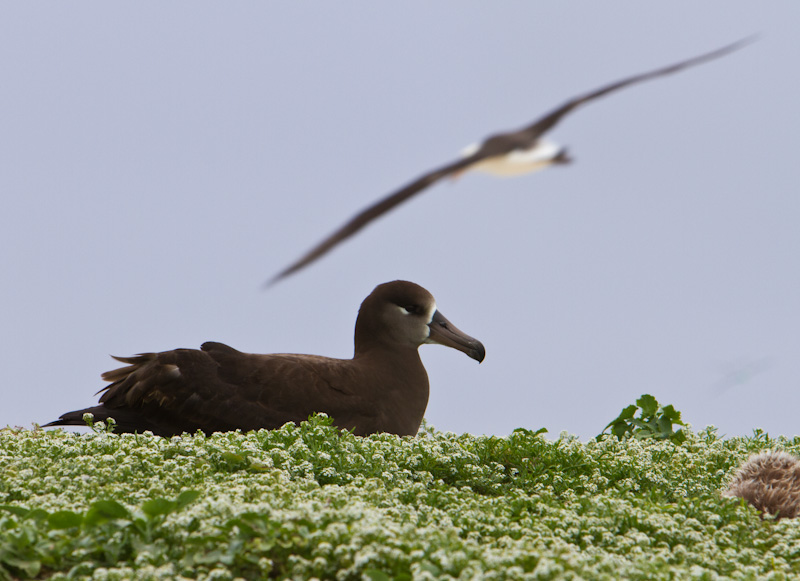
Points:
(177, 391)
(541, 126)
(374, 211)
(219, 389)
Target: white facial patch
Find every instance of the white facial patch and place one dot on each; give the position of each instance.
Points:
(428, 324)
(431, 313)
(426, 330)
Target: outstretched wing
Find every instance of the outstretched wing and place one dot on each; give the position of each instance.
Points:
(539, 127)
(374, 211)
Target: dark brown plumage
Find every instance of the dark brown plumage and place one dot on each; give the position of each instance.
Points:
(384, 388)
(510, 153)
(770, 481)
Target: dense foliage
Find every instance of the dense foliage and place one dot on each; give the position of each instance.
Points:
(654, 422)
(309, 501)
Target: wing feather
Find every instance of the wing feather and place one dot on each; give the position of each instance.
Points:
(544, 124)
(373, 212)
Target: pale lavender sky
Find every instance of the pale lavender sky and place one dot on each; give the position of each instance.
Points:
(159, 161)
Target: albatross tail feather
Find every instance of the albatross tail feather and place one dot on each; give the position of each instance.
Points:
(127, 421)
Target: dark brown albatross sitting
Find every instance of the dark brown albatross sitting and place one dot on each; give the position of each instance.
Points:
(383, 388)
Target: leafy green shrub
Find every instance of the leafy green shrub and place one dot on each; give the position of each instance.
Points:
(116, 534)
(654, 422)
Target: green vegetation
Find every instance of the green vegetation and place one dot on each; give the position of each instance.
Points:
(654, 422)
(309, 501)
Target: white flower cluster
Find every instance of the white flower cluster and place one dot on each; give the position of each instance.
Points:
(310, 501)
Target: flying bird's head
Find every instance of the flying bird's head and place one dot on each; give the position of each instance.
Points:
(562, 157)
(402, 314)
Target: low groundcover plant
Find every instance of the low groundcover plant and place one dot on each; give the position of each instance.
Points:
(311, 501)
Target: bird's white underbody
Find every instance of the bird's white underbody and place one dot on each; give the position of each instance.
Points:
(518, 161)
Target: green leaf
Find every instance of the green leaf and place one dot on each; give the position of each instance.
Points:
(648, 404)
(627, 412)
(619, 421)
(104, 510)
(15, 510)
(664, 426)
(37, 514)
(64, 519)
(672, 414)
(186, 497)
(641, 424)
(30, 567)
(232, 458)
(430, 568)
(678, 437)
(529, 433)
(257, 465)
(158, 506)
(376, 575)
(620, 429)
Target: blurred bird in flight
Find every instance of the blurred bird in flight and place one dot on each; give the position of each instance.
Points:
(503, 154)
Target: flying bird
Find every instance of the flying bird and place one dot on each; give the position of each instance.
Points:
(383, 388)
(504, 154)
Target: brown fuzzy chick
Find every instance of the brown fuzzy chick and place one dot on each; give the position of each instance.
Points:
(770, 481)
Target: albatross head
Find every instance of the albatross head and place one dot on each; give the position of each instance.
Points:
(403, 314)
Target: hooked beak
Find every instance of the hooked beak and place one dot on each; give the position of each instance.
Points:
(445, 333)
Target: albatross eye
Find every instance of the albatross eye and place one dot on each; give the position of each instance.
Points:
(411, 309)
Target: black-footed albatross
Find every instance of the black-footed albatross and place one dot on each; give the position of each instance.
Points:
(503, 154)
(383, 388)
